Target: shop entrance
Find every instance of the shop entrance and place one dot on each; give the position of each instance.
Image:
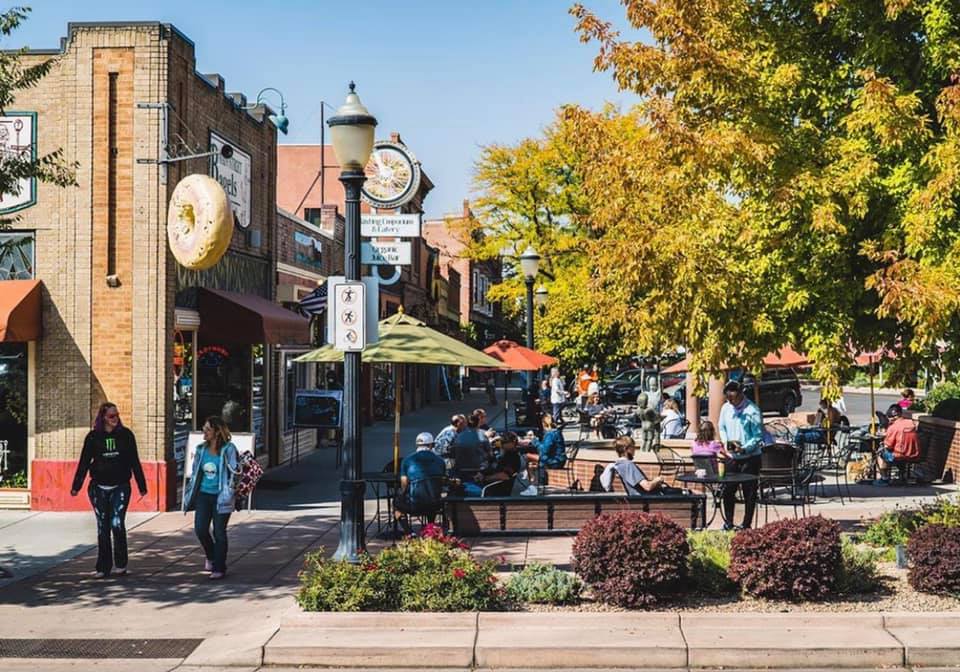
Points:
(13, 415)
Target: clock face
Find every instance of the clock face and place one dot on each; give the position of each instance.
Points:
(393, 176)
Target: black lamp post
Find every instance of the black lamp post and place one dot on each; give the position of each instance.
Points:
(530, 266)
(352, 133)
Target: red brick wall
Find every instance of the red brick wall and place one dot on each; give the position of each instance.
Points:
(940, 444)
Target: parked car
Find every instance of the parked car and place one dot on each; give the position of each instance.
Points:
(626, 385)
(779, 391)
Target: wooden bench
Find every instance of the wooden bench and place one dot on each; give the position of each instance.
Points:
(562, 513)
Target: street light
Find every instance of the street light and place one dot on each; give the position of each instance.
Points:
(352, 134)
(278, 120)
(540, 298)
(530, 266)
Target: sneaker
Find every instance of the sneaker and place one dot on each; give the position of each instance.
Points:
(208, 565)
(120, 571)
(216, 575)
(881, 483)
(99, 575)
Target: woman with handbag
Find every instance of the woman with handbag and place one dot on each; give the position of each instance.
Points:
(211, 492)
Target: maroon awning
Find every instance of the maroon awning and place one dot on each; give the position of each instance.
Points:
(246, 318)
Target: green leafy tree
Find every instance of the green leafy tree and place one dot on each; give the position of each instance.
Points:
(16, 76)
(790, 176)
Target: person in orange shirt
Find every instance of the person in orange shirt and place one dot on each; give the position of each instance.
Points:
(900, 443)
(583, 383)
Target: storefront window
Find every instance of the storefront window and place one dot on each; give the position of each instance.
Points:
(13, 415)
(223, 383)
(260, 444)
(16, 255)
(295, 378)
(182, 395)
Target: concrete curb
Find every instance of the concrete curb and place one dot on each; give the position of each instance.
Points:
(240, 649)
(638, 640)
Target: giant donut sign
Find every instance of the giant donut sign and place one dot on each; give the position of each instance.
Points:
(199, 222)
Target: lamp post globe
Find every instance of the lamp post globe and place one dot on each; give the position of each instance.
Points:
(530, 263)
(352, 131)
(540, 297)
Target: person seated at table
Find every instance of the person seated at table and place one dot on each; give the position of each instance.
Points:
(900, 444)
(471, 449)
(827, 414)
(505, 466)
(598, 412)
(551, 450)
(706, 443)
(671, 424)
(907, 397)
(445, 438)
(421, 483)
(634, 480)
(482, 423)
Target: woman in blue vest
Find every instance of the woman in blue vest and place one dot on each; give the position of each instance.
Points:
(210, 491)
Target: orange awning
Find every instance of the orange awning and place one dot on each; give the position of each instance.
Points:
(518, 357)
(784, 358)
(20, 310)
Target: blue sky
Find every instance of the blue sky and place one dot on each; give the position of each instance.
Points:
(449, 75)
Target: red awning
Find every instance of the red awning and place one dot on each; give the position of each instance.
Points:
(20, 310)
(246, 318)
(518, 357)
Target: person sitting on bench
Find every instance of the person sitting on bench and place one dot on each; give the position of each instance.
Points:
(421, 483)
(900, 444)
(634, 480)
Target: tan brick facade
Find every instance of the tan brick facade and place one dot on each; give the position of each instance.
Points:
(110, 283)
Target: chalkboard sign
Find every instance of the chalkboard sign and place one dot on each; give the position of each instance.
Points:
(318, 408)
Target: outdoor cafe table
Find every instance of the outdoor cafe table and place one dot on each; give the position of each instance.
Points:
(384, 485)
(714, 484)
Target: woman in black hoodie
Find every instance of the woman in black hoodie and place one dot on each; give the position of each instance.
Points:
(110, 455)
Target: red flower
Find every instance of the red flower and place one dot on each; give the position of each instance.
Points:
(459, 573)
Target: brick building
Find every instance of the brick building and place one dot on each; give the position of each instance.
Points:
(308, 186)
(116, 318)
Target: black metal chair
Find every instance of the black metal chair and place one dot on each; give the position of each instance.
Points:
(584, 426)
(778, 468)
(671, 464)
(502, 488)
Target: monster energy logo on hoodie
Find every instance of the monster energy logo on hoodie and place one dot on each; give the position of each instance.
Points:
(110, 448)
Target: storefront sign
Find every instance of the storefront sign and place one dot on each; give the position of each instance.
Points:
(383, 254)
(390, 226)
(233, 174)
(318, 408)
(18, 139)
(212, 356)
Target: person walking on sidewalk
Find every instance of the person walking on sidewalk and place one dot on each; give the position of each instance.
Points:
(210, 491)
(110, 455)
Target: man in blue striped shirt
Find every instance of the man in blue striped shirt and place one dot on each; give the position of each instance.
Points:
(741, 432)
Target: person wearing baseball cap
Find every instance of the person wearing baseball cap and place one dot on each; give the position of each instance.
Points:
(421, 483)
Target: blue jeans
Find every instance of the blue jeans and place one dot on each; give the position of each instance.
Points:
(215, 548)
(557, 414)
(110, 507)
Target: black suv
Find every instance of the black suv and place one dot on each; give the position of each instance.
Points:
(779, 390)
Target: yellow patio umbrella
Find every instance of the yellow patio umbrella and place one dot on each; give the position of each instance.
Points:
(406, 340)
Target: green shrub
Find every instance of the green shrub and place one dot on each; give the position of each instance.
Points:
(432, 573)
(941, 393)
(544, 584)
(943, 511)
(891, 529)
(709, 562)
(326, 585)
(858, 571)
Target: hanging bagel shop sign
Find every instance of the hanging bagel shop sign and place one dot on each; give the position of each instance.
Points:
(233, 173)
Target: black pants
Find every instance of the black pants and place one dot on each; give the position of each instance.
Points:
(214, 547)
(110, 507)
(750, 465)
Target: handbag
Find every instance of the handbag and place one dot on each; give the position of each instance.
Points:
(247, 476)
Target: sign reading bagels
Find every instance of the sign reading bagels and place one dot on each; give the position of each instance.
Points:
(233, 173)
(199, 222)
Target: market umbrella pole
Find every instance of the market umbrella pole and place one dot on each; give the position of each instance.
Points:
(396, 419)
(506, 404)
(873, 404)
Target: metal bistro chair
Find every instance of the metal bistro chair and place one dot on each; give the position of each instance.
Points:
(670, 462)
(583, 424)
(502, 488)
(428, 511)
(778, 468)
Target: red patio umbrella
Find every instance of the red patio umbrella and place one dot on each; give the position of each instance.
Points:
(517, 358)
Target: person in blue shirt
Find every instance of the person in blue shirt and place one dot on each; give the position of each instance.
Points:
(551, 450)
(421, 482)
(741, 433)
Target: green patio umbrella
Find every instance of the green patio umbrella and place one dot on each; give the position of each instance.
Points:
(407, 340)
